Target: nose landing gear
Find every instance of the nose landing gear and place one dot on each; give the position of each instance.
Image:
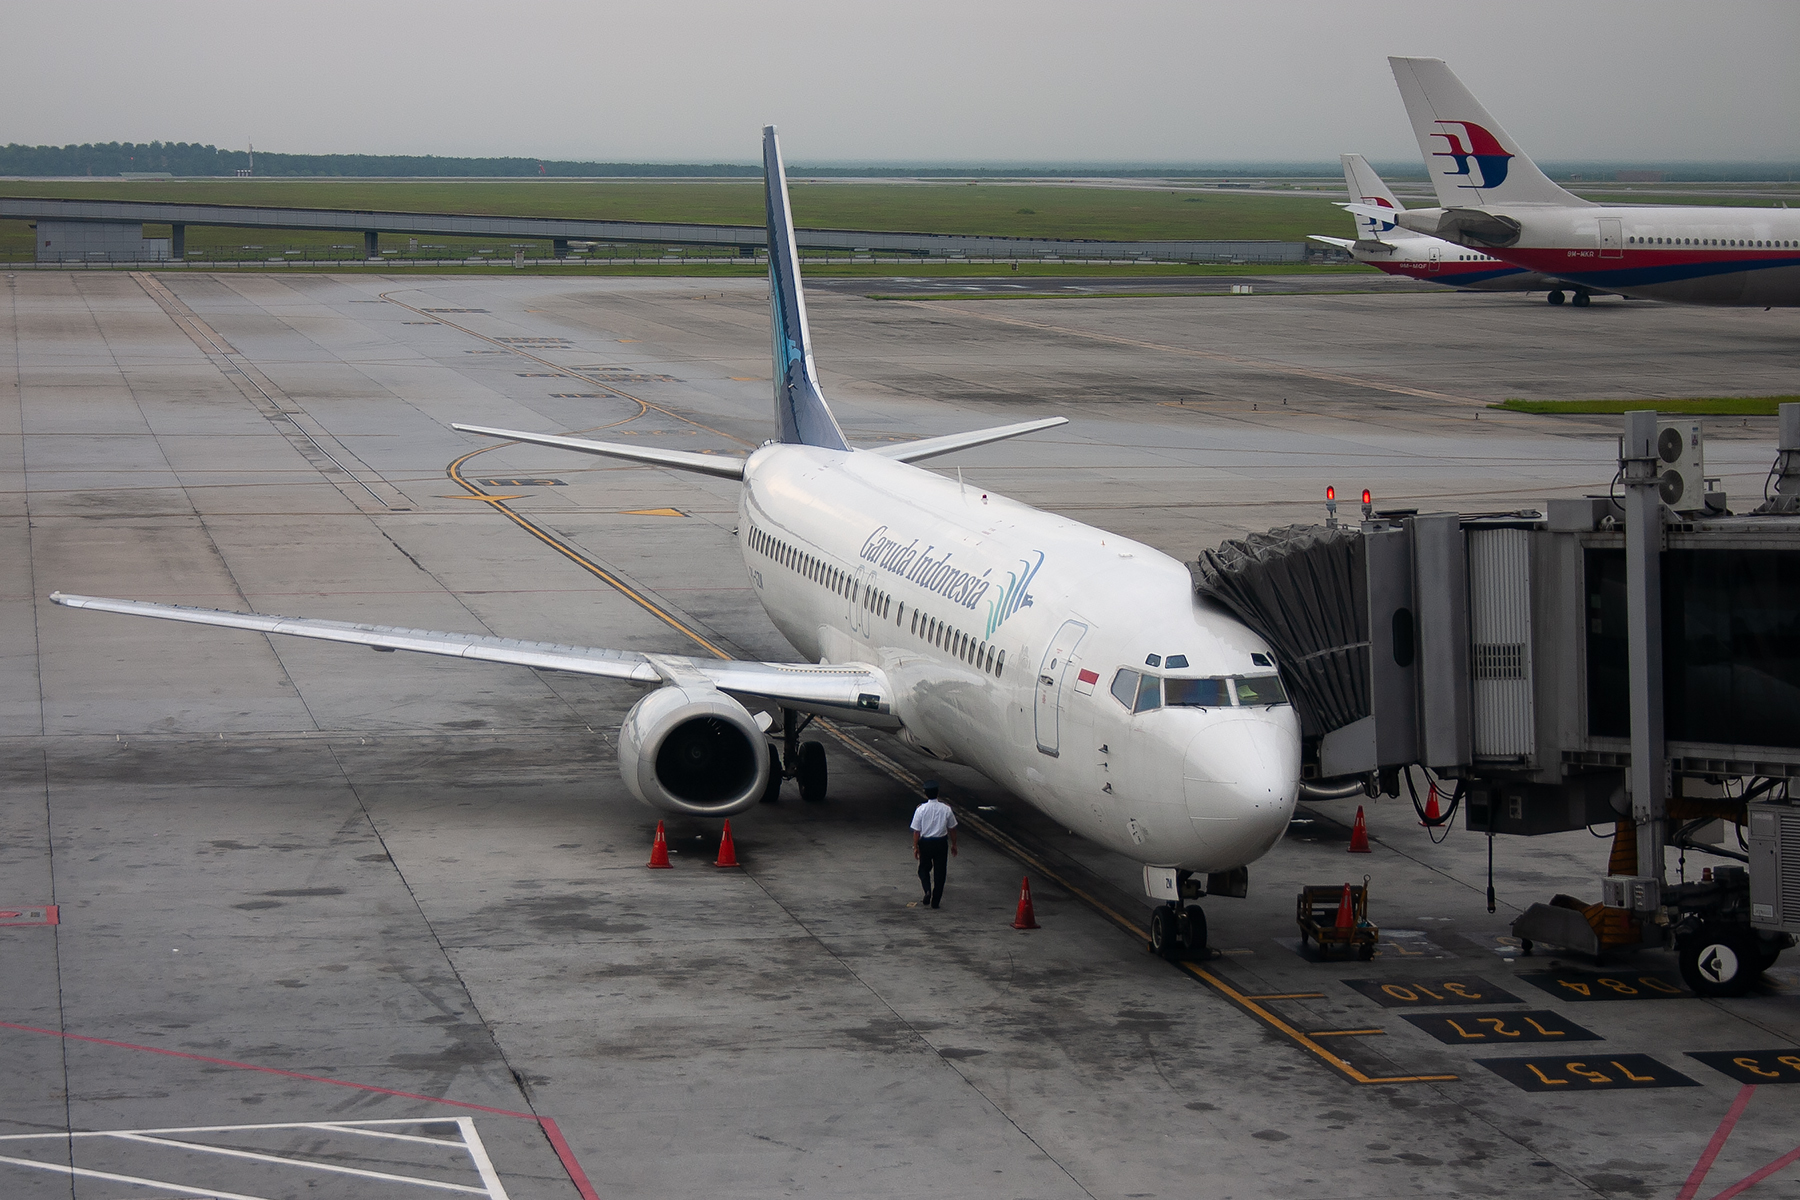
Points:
(1178, 931)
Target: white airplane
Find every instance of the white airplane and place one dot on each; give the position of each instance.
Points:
(1395, 251)
(1494, 199)
(1076, 667)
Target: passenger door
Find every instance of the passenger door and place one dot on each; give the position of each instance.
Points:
(1612, 241)
(1051, 673)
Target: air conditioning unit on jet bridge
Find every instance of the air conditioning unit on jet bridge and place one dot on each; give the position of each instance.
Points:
(1681, 465)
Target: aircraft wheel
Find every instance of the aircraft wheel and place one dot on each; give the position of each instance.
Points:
(812, 772)
(1554, 297)
(1581, 299)
(1720, 961)
(1163, 940)
(772, 789)
(1194, 936)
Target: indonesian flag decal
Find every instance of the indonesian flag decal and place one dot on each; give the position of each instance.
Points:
(1085, 681)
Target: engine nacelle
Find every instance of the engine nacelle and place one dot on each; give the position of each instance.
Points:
(693, 750)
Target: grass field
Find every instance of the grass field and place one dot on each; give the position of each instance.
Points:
(1719, 406)
(1024, 210)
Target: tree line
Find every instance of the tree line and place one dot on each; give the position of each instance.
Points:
(193, 158)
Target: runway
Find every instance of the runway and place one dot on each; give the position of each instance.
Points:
(302, 887)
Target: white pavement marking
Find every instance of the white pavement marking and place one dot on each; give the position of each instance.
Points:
(85, 1173)
(478, 1154)
(470, 1142)
(312, 1164)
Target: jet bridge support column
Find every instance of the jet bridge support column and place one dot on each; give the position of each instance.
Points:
(1649, 778)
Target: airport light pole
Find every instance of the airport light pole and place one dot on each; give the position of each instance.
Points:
(1639, 468)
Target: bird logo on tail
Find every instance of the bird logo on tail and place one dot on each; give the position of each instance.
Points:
(1470, 143)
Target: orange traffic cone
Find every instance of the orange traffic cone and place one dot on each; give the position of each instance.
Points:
(727, 849)
(1432, 813)
(1346, 913)
(1359, 834)
(659, 850)
(1025, 918)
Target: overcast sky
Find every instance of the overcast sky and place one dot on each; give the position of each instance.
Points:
(918, 81)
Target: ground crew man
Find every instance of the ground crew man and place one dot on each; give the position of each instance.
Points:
(934, 840)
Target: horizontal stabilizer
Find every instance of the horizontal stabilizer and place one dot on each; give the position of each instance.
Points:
(1340, 243)
(932, 447)
(725, 467)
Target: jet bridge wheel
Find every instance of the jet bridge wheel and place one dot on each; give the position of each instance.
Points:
(1720, 960)
(811, 772)
(1555, 297)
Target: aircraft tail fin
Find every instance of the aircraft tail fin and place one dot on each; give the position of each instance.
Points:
(1365, 185)
(801, 415)
(1472, 161)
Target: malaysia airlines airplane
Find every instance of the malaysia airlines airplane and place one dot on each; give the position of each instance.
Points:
(1494, 199)
(1395, 251)
(1075, 667)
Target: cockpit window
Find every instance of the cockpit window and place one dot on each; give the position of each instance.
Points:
(1260, 689)
(1197, 693)
(1124, 687)
(1149, 694)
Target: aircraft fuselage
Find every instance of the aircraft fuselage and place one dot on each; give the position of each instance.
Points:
(1003, 631)
(1690, 254)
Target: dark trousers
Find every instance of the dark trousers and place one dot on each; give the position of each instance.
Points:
(934, 855)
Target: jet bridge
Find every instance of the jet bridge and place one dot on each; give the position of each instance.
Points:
(1631, 658)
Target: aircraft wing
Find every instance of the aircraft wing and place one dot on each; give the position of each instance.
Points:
(853, 690)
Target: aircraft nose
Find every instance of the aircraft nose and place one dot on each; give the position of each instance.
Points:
(1241, 777)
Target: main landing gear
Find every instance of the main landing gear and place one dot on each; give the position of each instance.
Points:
(1581, 299)
(1178, 930)
(797, 760)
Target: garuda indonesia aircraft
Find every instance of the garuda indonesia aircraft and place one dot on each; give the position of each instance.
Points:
(1076, 667)
(1494, 199)
(1395, 251)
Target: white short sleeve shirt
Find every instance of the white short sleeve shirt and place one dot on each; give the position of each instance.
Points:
(933, 819)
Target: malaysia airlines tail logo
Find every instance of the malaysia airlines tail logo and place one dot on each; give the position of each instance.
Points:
(1470, 143)
(1378, 202)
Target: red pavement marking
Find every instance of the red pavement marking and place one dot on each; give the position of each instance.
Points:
(552, 1133)
(1758, 1176)
(1698, 1175)
(36, 914)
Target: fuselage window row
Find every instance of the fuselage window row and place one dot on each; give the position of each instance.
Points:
(1740, 243)
(969, 649)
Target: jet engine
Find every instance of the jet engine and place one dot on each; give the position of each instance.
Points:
(693, 750)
